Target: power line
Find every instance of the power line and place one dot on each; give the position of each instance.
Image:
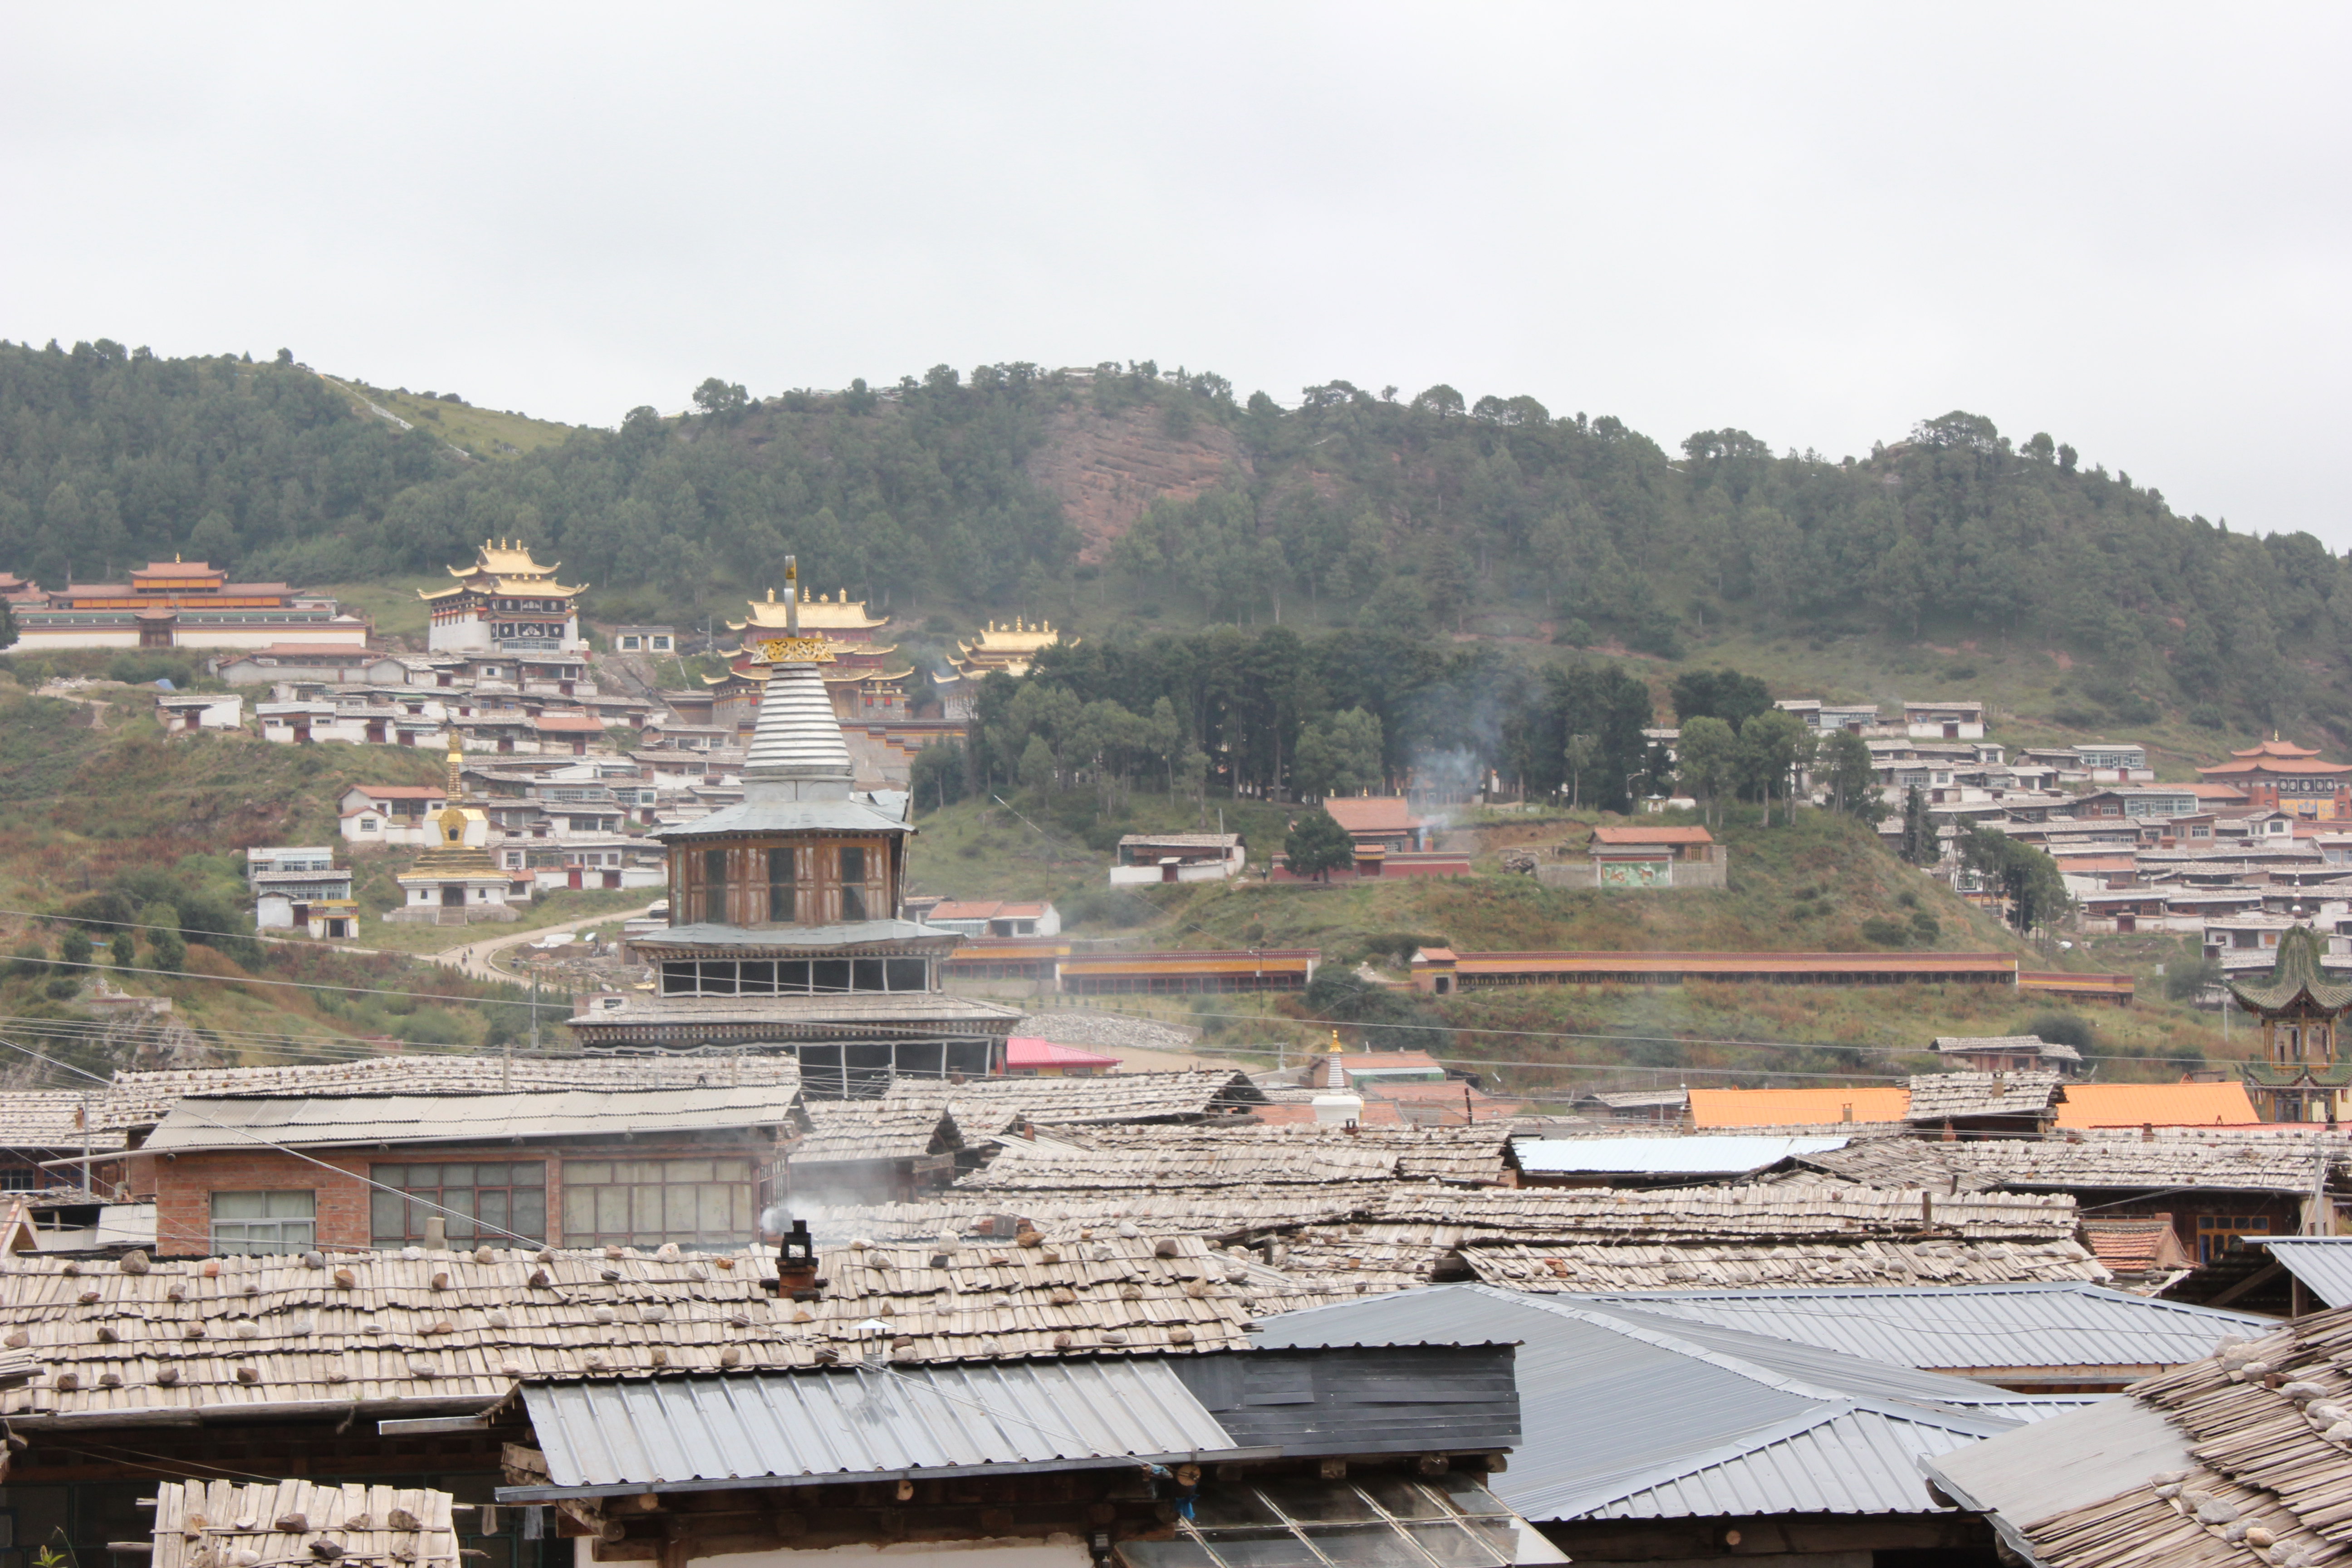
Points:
(182, 1105)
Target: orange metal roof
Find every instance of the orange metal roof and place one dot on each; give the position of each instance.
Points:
(1591, 963)
(1201, 962)
(2059, 979)
(1796, 1106)
(1652, 835)
(2274, 747)
(1292, 1113)
(2157, 1104)
(1373, 814)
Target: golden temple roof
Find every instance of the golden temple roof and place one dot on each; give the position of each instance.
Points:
(510, 570)
(822, 613)
(1021, 637)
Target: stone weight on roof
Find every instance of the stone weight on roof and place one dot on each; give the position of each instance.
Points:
(390, 1332)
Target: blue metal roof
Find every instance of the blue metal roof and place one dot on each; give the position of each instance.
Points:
(1626, 1415)
(2324, 1264)
(861, 1423)
(2065, 1324)
(1695, 1156)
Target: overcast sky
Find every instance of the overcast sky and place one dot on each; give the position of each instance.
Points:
(2124, 225)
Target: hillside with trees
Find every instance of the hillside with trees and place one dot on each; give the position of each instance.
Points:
(1013, 488)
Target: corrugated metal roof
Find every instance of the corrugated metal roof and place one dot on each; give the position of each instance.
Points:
(1621, 1411)
(2324, 1264)
(865, 1422)
(2087, 1105)
(1854, 1459)
(1796, 1106)
(2056, 1466)
(2037, 1325)
(1660, 1156)
(316, 1120)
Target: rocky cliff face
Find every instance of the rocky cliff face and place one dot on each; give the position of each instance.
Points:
(1105, 471)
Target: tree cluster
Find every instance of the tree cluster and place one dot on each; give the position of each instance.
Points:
(1278, 714)
(1399, 515)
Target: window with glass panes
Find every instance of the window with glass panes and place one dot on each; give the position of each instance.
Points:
(265, 1222)
(714, 886)
(644, 1203)
(853, 881)
(492, 1200)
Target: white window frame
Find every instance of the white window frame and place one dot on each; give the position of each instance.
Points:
(284, 1220)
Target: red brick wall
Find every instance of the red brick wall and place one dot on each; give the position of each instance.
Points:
(183, 1183)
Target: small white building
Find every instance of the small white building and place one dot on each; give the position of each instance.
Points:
(645, 639)
(993, 917)
(1944, 721)
(182, 712)
(262, 860)
(391, 814)
(1179, 858)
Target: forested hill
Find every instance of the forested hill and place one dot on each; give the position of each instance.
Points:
(1142, 496)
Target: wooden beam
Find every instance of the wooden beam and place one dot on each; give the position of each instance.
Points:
(2262, 1276)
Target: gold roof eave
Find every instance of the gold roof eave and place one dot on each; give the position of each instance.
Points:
(821, 614)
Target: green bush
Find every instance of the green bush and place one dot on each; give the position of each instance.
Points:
(2064, 1029)
(1881, 932)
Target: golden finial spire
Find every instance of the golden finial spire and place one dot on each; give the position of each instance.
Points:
(1334, 1047)
(457, 762)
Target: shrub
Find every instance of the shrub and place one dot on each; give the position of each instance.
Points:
(2064, 1029)
(1881, 932)
(1925, 928)
(2183, 979)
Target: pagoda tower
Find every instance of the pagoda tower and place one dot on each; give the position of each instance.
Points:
(784, 913)
(2303, 1075)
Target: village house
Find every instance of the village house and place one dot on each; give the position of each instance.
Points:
(1639, 856)
(995, 917)
(188, 713)
(2115, 763)
(645, 639)
(323, 663)
(643, 1168)
(1178, 857)
(1947, 721)
(2009, 1054)
(2138, 801)
(300, 888)
(391, 814)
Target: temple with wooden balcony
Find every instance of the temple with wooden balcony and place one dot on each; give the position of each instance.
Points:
(865, 677)
(786, 928)
(2302, 1075)
(505, 601)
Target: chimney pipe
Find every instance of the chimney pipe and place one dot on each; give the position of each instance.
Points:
(797, 1262)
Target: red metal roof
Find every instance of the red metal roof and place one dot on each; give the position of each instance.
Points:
(1028, 1053)
(1588, 962)
(1372, 813)
(1637, 834)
